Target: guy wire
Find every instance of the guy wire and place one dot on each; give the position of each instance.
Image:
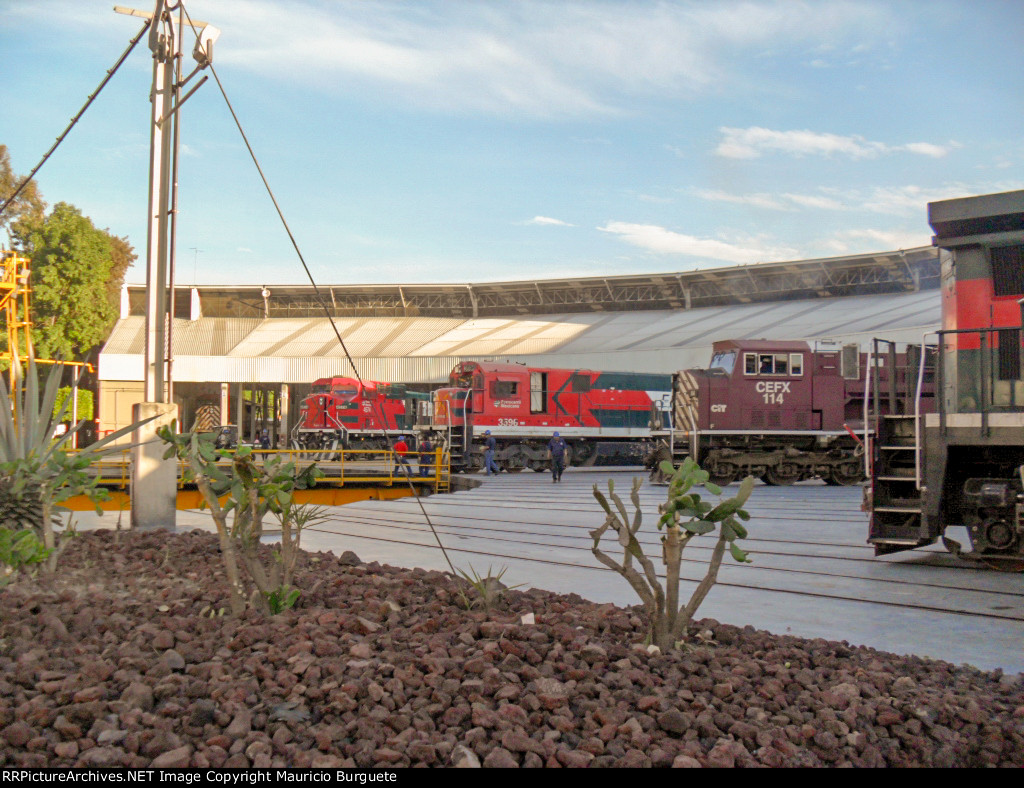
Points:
(316, 290)
(75, 119)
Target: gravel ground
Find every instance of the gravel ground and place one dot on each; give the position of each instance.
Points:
(119, 663)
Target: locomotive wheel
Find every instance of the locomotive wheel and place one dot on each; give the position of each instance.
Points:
(516, 461)
(585, 452)
(781, 475)
(845, 474)
(723, 475)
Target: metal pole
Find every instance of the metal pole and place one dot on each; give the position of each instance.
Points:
(174, 119)
(154, 479)
(74, 408)
(156, 256)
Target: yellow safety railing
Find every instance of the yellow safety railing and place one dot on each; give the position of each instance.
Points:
(349, 466)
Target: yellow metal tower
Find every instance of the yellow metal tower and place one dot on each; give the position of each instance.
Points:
(14, 300)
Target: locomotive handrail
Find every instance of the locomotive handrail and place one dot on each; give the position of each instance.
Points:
(918, 442)
(868, 448)
(986, 395)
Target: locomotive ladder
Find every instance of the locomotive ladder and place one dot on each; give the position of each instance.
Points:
(897, 521)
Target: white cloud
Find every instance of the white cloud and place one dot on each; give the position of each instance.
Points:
(928, 149)
(757, 200)
(547, 220)
(781, 202)
(752, 142)
(911, 200)
(662, 241)
(531, 56)
(814, 201)
(873, 240)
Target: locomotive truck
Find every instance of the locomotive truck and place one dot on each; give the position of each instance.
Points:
(778, 410)
(963, 465)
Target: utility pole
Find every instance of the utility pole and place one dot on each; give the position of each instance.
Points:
(154, 479)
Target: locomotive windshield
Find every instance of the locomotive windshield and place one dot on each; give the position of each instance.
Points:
(346, 392)
(724, 361)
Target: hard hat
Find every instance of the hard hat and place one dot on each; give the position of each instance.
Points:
(556, 434)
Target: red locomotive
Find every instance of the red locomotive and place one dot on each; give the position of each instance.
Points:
(605, 417)
(777, 410)
(963, 465)
(342, 412)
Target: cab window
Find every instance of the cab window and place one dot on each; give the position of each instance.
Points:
(773, 363)
(724, 361)
(500, 389)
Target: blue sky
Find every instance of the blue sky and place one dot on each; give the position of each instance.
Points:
(480, 141)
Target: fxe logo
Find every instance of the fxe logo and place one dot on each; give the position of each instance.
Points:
(773, 391)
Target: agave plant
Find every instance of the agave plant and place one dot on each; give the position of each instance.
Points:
(37, 472)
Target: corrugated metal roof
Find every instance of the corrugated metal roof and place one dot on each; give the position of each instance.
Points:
(412, 349)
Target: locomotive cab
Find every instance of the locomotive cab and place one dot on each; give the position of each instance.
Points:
(753, 385)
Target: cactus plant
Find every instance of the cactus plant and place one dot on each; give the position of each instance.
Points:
(684, 515)
(250, 491)
(37, 472)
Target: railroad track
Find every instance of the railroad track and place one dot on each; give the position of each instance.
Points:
(807, 543)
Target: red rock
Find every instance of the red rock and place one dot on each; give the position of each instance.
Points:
(178, 758)
(574, 759)
(887, 716)
(500, 758)
(66, 749)
(17, 734)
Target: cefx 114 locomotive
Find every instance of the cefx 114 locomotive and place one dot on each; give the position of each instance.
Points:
(962, 465)
(343, 412)
(604, 417)
(777, 410)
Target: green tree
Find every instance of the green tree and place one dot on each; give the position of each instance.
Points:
(26, 210)
(72, 269)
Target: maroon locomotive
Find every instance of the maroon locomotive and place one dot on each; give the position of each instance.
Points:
(605, 417)
(778, 410)
(963, 465)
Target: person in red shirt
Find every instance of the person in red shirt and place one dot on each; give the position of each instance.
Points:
(401, 449)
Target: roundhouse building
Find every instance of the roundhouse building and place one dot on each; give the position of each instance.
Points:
(247, 355)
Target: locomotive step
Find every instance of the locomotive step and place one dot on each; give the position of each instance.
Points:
(900, 542)
(908, 478)
(900, 509)
(911, 447)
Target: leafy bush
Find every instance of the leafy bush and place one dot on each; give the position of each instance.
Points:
(250, 491)
(85, 402)
(683, 516)
(19, 549)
